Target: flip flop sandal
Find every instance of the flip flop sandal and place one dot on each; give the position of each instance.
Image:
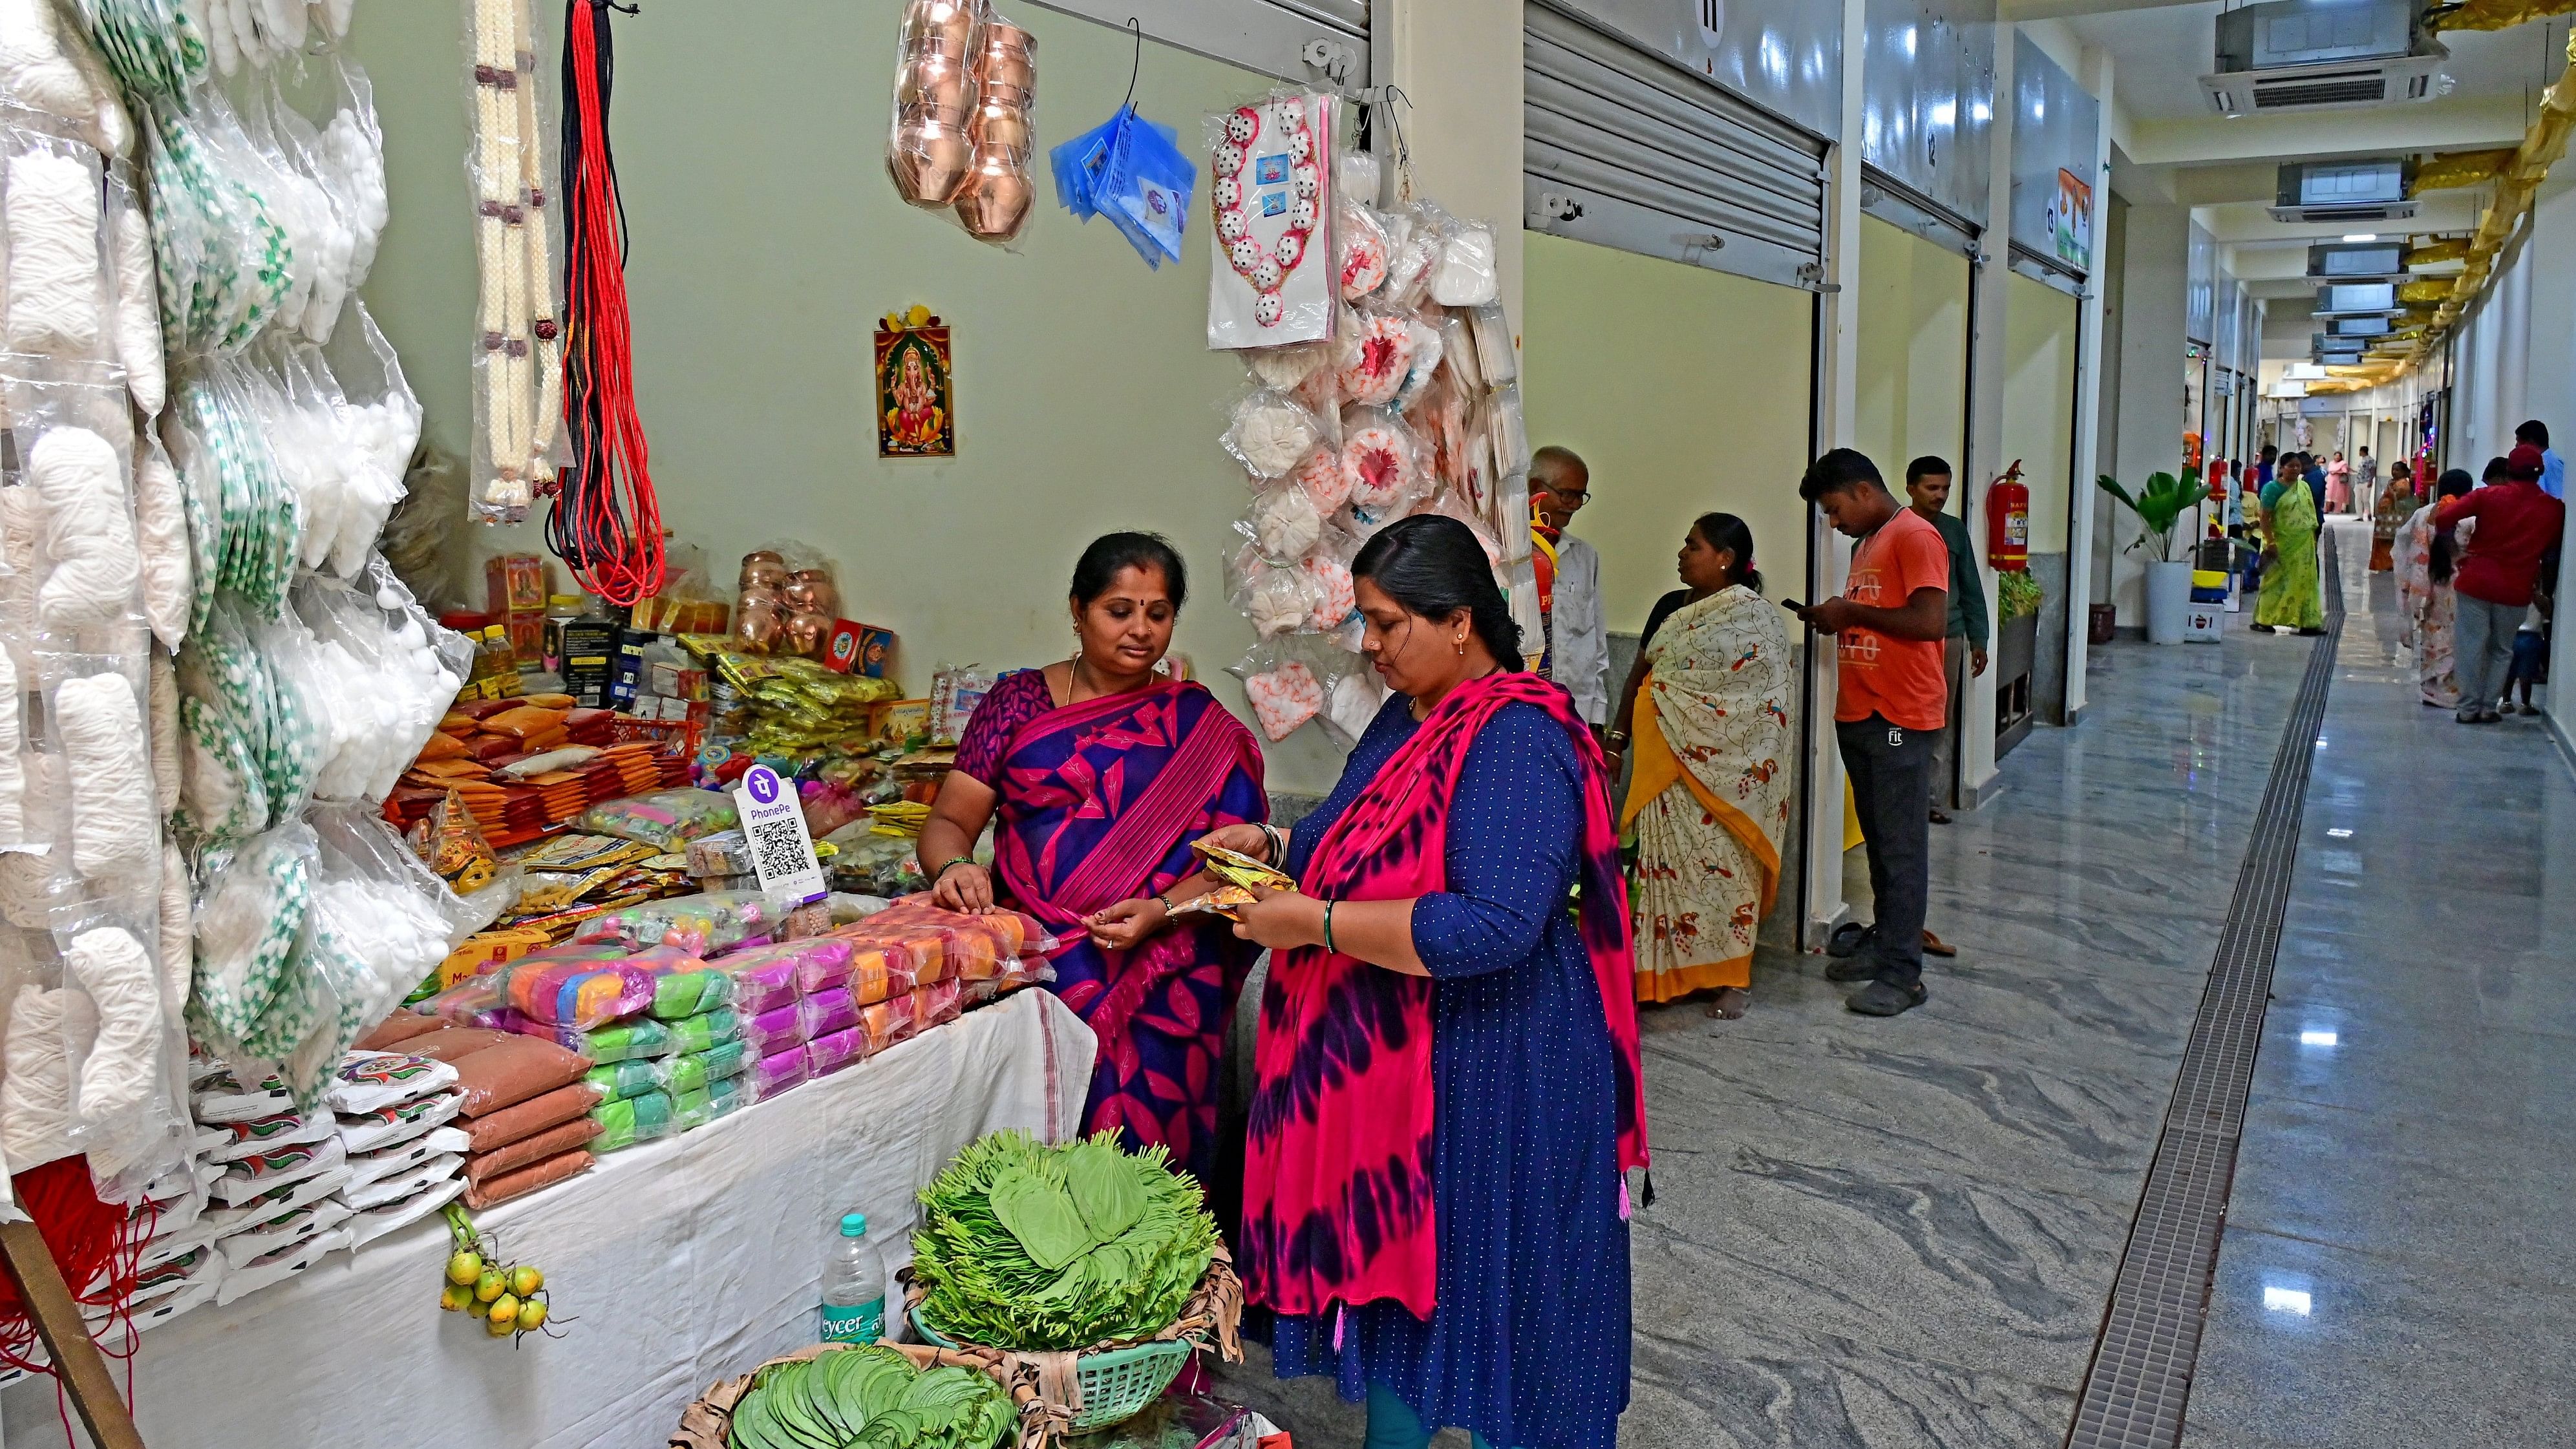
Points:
(1935, 946)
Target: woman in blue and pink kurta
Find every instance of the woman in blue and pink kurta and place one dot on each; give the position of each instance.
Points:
(1447, 1087)
(1103, 772)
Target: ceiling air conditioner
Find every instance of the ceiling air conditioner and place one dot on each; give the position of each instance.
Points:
(2335, 192)
(2362, 299)
(2358, 327)
(2357, 262)
(2305, 55)
(2334, 349)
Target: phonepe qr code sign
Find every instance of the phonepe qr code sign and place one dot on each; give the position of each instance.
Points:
(782, 852)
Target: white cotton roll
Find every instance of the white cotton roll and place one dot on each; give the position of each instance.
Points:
(161, 512)
(45, 1029)
(102, 736)
(125, 1061)
(55, 296)
(138, 310)
(111, 127)
(36, 65)
(164, 693)
(178, 946)
(89, 531)
(13, 770)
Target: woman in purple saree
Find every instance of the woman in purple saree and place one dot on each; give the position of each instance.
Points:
(1102, 772)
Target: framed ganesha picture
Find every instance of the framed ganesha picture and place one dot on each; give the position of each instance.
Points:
(916, 399)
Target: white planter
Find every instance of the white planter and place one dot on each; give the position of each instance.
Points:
(2168, 600)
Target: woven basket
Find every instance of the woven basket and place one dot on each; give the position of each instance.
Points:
(1084, 1390)
(708, 1423)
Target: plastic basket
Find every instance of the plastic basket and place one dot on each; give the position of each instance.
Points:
(1115, 1383)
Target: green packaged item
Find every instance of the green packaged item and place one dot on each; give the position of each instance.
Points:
(625, 1041)
(693, 1110)
(624, 1081)
(705, 1030)
(636, 1119)
(696, 1071)
(688, 993)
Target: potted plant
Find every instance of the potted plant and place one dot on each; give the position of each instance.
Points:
(2160, 507)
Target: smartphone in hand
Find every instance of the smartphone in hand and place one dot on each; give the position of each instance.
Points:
(1793, 606)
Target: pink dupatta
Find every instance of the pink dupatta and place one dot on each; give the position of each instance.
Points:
(1337, 1170)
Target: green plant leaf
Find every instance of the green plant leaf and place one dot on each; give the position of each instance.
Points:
(1106, 1187)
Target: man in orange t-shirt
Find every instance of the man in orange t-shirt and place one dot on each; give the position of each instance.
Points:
(1891, 706)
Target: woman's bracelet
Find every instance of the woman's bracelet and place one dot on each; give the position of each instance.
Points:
(1328, 926)
(1163, 901)
(1278, 844)
(945, 868)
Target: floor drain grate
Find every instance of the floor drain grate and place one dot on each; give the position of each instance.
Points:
(2140, 1379)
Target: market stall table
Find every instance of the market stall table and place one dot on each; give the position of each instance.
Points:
(672, 1265)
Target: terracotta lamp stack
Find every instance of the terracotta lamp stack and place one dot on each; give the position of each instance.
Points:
(961, 115)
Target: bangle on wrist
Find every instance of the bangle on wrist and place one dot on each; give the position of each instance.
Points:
(1164, 902)
(1328, 926)
(949, 865)
(1277, 842)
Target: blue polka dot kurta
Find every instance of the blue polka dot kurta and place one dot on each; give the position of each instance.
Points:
(1528, 1344)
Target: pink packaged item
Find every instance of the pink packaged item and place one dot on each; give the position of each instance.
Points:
(779, 1030)
(777, 1072)
(828, 1054)
(824, 1014)
(817, 963)
(760, 984)
(938, 1004)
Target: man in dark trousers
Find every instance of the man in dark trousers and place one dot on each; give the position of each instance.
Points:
(1963, 650)
(2497, 571)
(1891, 705)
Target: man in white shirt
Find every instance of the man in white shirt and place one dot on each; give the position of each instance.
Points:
(1578, 644)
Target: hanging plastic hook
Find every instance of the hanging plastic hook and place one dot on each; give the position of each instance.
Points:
(1136, 66)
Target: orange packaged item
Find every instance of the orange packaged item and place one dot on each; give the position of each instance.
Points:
(527, 1179)
(456, 722)
(402, 1025)
(888, 1021)
(528, 1118)
(454, 1043)
(550, 701)
(537, 1146)
(524, 720)
(441, 747)
(512, 1071)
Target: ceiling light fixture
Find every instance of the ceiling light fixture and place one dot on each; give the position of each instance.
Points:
(2361, 236)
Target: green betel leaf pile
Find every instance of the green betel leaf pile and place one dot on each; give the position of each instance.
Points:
(1030, 1247)
(870, 1398)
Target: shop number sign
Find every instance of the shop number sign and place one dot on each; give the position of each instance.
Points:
(774, 825)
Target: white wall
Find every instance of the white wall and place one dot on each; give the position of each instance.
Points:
(2153, 281)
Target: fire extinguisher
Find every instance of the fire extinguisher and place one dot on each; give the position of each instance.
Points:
(2008, 522)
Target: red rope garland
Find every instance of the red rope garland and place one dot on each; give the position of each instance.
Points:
(607, 524)
(96, 1245)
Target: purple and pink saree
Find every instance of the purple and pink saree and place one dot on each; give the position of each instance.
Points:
(1099, 803)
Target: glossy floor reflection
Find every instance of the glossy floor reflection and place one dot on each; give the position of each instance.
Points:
(2395, 1268)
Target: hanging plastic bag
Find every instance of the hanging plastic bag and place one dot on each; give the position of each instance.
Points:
(1270, 434)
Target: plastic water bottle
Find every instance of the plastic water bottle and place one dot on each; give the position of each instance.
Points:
(854, 1286)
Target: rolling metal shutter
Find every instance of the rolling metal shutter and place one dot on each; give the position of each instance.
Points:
(1626, 149)
(1310, 42)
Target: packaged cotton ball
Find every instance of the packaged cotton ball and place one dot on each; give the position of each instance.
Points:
(1358, 176)
(79, 480)
(1360, 248)
(1277, 600)
(1284, 696)
(1283, 524)
(114, 825)
(1376, 357)
(1271, 434)
(1466, 275)
(1329, 585)
(1382, 459)
(1324, 479)
(1281, 369)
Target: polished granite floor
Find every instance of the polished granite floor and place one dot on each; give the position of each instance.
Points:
(2396, 1267)
(1903, 1233)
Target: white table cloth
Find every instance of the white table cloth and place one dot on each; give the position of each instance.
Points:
(671, 1265)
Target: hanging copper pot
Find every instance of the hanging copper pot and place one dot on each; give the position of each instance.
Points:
(806, 634)
(998, 126)
(1007, 56)
(940, 81)
(995, 202)
(951, 24)
(930, 160)
(761, 569)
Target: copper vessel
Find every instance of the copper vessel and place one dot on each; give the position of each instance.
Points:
(995, 203)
